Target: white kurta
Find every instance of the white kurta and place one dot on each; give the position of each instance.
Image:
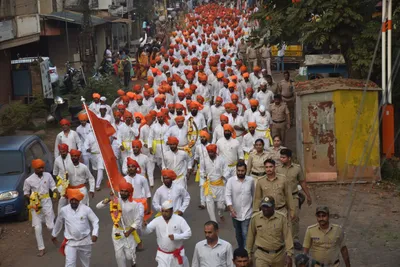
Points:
(95, 157)
(125, 247)
(72, 140)
(215, 115)
(176, 226)
(156, 140)
(180, 133)
(78, 175)
(144, 164)
(218, 133)
(77, 232)
(126, 134)
(266, 98)
(177, 194)
(140, 186)
(83, 133)
(232, 151)
(238, 121)
(178, 162)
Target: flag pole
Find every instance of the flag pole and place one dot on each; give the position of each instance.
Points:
(108, 176)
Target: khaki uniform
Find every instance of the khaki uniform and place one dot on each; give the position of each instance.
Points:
(278, 115)
(287, 90)
(325, 246)
(265, 53)
(252, 57)
(278, 188)
(273, 88)
(267, 235)
(255, 166)
(242, 49)
(295, 175)
(275, 154)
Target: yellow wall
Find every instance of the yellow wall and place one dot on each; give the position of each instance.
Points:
(347, 104)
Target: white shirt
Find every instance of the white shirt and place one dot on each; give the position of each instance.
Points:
(140, 186)
(215, 114)
(179, 196)
(95, 107)
(263, 122)
(143, 161)
(91, 143)
(249, 140)
(60, 165)
(41, 185)
(176, 226)
(72, 140)
(77, 226)
(214, 169)
(265, 98)
(177, 161)
(240, 194)
(230, 149)
(199, 120)
(238, 121)
(248, 117)
(80, 174)
(126, 134)
(83, 132)
(180, 133)
(219, 256)
(218, 133)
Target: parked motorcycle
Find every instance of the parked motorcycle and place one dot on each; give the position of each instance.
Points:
(73, 79)
(55, 109)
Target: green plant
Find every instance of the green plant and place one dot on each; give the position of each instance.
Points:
(390, 170)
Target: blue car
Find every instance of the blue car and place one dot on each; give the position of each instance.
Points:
(16, 154)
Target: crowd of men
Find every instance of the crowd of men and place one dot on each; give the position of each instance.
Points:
(202, 113)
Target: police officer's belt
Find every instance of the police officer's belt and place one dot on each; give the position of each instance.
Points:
(279, 121)
(271, 251)
(289, 96)
(281, 207)
(295, 193)
(258, 173)
(325, 265)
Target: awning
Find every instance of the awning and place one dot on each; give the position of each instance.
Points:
(73, 17)
(122, 20)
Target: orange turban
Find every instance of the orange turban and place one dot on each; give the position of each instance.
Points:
(125, 98)
(121, 106)
(75, 152)
(65, 122)
(138, 97)
(63, 147)
(187, 91)
(74, 194)
(95, 95)
(212, 148)
(127, 114)
(249, 90)
(138, 114)
(205, 134)
(148, 117)
(153, 113)
(218, 99)
(253, 102)
(131, 95)
(179, 118)
(124, 185)
(150, 78)
(83, 117)
(222, 117)
(195, 105)
(137, 87)
(171, 105)
(220, 75)
(228, 127)
(256, 68)
(234, 97)
(168, 174)
(252, 124)
(245, 75)
(159, 99)
(160, 115)
(137, 143)
(130, 161)
(121, 92)
(117, 114)
(37, 163)
(172, 140)
(231, 84)
(200, 99)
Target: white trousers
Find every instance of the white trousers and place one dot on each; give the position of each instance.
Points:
(82, 253)
(45, 216)
(86, 158)
(168, 260)
(125, 249)
(219, 192)
(181, 181)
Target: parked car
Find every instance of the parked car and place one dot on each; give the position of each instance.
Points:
(16, 153)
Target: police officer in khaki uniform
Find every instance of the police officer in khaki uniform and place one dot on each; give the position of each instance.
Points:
(294, 174)
(271, 85)
(242, 49)
(277, 186)
(265, 52)
(324, 241)
(269, 236)
(251, 53)
(280, 117)
(286, 87)
(274, 152)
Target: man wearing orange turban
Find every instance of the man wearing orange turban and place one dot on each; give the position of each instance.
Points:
(145, 163)
(78, 221)
(230, 148)
(68, 137)
(249, 139)
(216, 111)
(95, 105)
(83, 131)
(156, 138)
(177, 160)
(125, 135)
(36, 189)
(60, 171)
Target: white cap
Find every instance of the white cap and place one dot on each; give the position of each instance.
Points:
(263, 82)
(103, 98)
(166, 205)
(103, 106)
(261, 108)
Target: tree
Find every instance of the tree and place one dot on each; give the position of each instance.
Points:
(344, 26)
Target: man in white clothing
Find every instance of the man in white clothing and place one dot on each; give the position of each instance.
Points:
(36, 191)
(61, 174)
(214, 172)
(216, 111)
(95, 105)
(78, 237)
(239, 193)
(263, 120)
(79, 175)
(83, 130)
(199, 155)
(179, 131)
(125, 135)
(125, 240)
(139, 183)
(213, 251)
(177, 160)
(96, 161)
(237, 121)
(219, 130)
(230, 149)
(67, 136)
(171, 230)
(265, 97)
(156, 138)
(249, 139)
(169, 191)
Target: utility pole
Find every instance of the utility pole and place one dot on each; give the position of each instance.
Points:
(387, 81)
(86, 44)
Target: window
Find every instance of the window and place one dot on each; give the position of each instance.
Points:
(28, 159)
(37, 151)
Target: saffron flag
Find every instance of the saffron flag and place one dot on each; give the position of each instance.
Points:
(103, 130)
